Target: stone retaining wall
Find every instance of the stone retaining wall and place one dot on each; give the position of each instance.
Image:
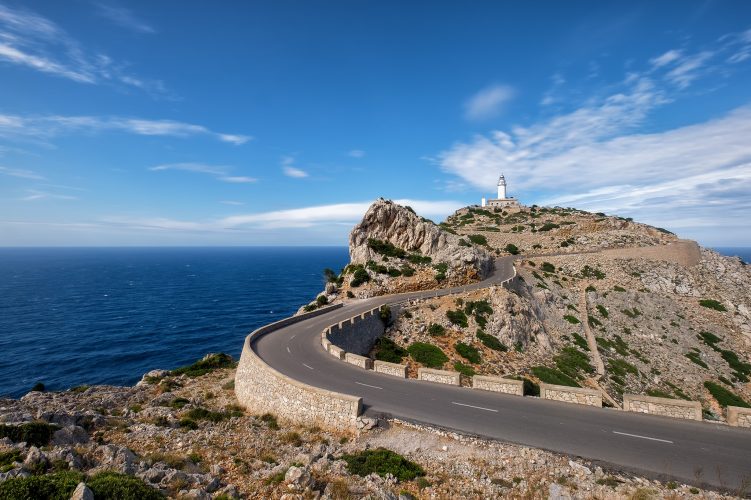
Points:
(357, 360)
(336, 351)
(739, 417)
(439, 376)
(676, 408)
(261, 389)
(578, 395)
(498, 384)
(357, 334)
(390, 368)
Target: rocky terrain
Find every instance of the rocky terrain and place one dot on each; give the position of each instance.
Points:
(180, 434)
(601, 302)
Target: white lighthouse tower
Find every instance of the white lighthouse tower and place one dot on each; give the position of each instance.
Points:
(501, 187)
(503, 200)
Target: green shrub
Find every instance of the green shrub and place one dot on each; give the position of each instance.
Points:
(548, 226)
(709, 338)
(385, 314)
(387, 350)
(436, 330)
(631, 313)
(724, 396)
(591, 272)
(621, 367)
(603, 312)
(407, 270)
(415, 258)
(657, 393)
(512, 249)
(115, 486)
(491, 341)
(427, 354)
(464, 369)
(712, 304)
(386, 248)
(310, 307)
(468, 352)
(441, 270)
(350, 295)
(322, 300)
(572, 319)
(478, 239)
(571, 361)
(33, 433)
(617, 288)
(553, 376)
(695, 357)
(212, 416)
(178, 403)
(56, 486)
(457, 318)
(547, 267)
(206, 365)
(593, 322)
(382, 462)
(741, 370)
(359, 277)
(330, 275)
(38, 387)
(580, 341)
(464, 243)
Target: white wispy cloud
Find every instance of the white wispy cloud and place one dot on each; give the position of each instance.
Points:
(44, 127)
(338, 214)
(290, 170)
(488, 102)
(232, 203)
(21, 173)
(30, 40)
(666, 58)
(36, 195)
(689, 68)
(220, 172)
(356, 153)
(122, 17)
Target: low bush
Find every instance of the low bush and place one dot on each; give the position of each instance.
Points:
(512, 249)
(385, 314)
(617, 288)
(572, 361)
(441, 270)
(436, 330)
(206, 365)
(457, 318)
(553, 376)
(572, 319)
(32, 433)
(547, 267)
(631, 313)
(322, 300)
(382, 462)
(387, 350)
(724, 396)
(359, 277)
(416, 258)
(468, 352)
(491, 341)
(621, 367)
(603, 312)
(57, 486)
(580, 341)
(270, 421)
(696, 358)
(427, 354)
(478, 239)
(591, 272)
(386, 248)
(712, 304)
(548, 226)
(657, 393)
(115, 486)
(464, 369)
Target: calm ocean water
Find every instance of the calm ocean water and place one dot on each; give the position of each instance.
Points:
(72, 316)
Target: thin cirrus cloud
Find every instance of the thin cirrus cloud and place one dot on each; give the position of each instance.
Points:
(488, 102)
(290, 170)
(356, 153)
(36, 195)
(30, 40)
(219, 172)
(594, 156)
(122, 17)
(21, 173)
(338, 214)
(47, 126)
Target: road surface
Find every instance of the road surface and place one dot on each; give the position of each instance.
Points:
(693, 452)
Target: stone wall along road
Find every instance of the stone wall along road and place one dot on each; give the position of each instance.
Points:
(357, 334)
(739, 417)
(578, 395)
(676, 408)
(262, 389)
(390, 368)
(439, 376)
(498, 384)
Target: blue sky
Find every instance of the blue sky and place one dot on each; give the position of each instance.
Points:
(215, 123)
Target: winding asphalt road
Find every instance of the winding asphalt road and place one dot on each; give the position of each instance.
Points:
(699, 453)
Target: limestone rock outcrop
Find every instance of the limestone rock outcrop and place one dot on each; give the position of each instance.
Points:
(400, 226)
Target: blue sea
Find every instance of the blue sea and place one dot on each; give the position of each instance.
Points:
(74, 316)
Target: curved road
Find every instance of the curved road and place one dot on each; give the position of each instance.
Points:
(693, 452)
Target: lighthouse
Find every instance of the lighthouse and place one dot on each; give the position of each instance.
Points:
(503, 200)
(501, 187)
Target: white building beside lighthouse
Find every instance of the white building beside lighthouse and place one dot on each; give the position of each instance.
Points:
(503, 200)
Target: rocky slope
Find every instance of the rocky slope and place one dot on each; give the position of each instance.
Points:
(601, 301)
(181, 435)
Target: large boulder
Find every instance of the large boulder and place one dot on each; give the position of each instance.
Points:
(400, 226)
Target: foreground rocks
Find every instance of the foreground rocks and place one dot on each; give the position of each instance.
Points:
(184, 437)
